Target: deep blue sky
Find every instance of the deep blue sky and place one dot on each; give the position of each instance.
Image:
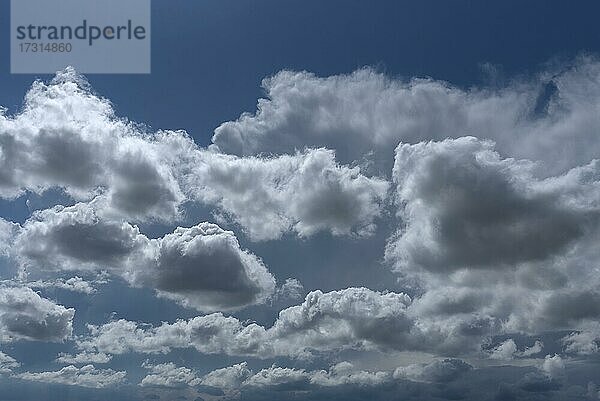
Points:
(209, 56)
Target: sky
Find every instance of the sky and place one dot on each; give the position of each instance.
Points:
(309, 200)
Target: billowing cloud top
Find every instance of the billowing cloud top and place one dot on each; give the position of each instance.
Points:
(366, 111)
(141, 176)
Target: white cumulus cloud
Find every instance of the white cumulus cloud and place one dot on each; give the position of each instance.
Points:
(86, 376)
(25, 315)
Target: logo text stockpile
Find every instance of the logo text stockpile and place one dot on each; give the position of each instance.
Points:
(89, 33)
(108, 36)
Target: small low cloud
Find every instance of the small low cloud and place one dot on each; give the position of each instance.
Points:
(86, 376)
(7, 363)
(25, 315)
(74, 284)
(168, 375)
(83, 358)
(438, 371)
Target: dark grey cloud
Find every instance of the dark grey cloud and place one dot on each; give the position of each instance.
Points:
(490, 246)
(538, 383)
(75, 238)
(25, 315)
(462, 205)
(570, 307)
(144, 186)
(205, 268)
(202, 267)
